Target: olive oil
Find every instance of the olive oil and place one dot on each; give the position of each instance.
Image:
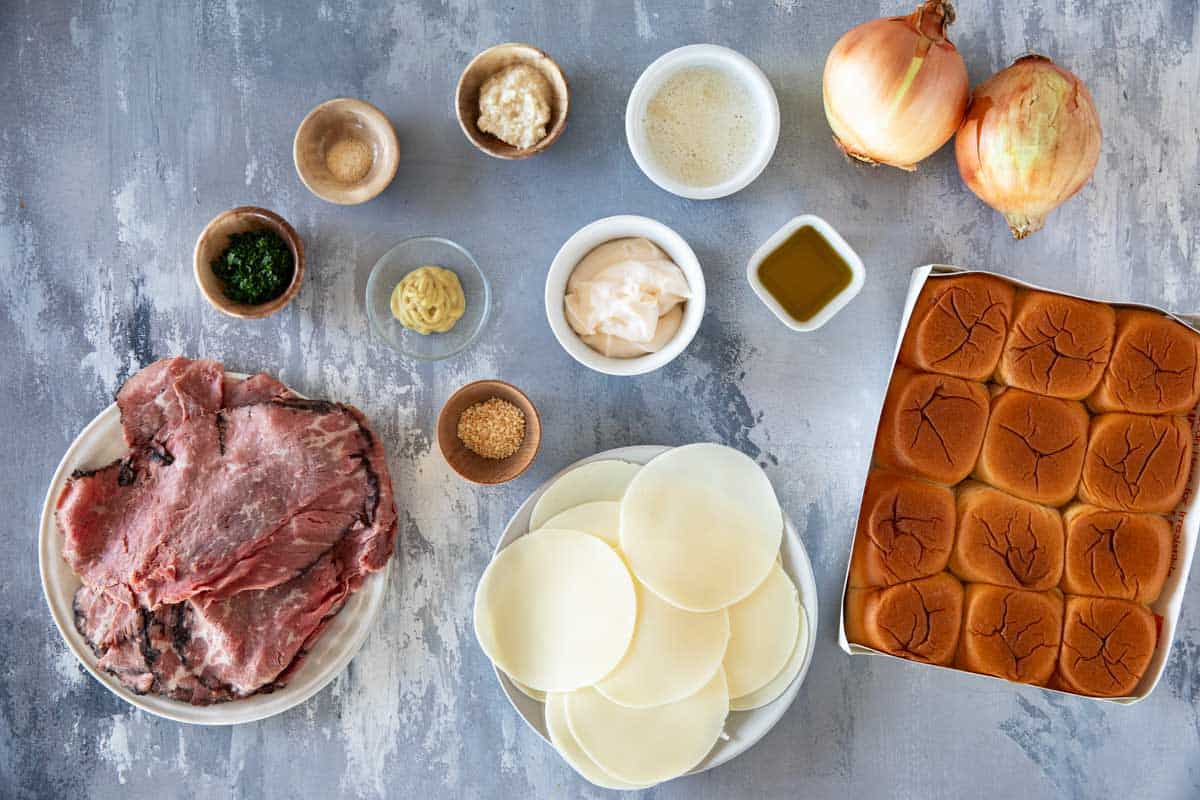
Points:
(804, 273)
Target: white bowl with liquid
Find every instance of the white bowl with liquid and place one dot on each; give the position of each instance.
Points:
(750, 90)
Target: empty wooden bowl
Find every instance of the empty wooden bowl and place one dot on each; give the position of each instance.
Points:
(214, 240)
(469, 464)
(341, 125)
(487, 64)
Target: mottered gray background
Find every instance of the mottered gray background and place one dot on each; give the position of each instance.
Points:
(124, 127)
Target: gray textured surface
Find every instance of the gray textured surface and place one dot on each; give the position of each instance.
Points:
(125, 127)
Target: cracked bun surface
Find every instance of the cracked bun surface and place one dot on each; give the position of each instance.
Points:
(905, 530)
(918, 620)
(1116, 553)
(1106, 647)
(958, 326)
(931, 425)
(1006, 540)
(1057, 345)
(1010, 633)
(1136, 463)
(1034, 446)
(1153, 369)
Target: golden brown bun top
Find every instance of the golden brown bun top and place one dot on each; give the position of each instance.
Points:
(1035, 445)
(1011, 633)
(1107, 645)
(1136, 462)
(920, 619)
(1154, 366)
(1116, 553)
(1005, 540)
(933, 424)
(1057, 345)
(958, 326)
(905, 530)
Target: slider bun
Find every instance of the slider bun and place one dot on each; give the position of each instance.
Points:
(931, 425)
(1106, 646)
(918, 620)
(905, 530)
(1006, 541)
(1116, 553)
(1153, 369)
(1136, 463)
(1010, 633)
(1057, 345)
(1034, 446)
(958, 326)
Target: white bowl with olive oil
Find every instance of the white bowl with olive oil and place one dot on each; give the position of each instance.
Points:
(806, 273)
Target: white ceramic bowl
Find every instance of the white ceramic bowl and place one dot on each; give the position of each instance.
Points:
(858, 274)
(703, 55)
(592, 236)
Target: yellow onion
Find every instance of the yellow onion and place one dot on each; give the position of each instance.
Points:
(1031, 139)
(895, 88)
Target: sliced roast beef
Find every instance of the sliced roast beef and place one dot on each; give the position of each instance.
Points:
(215, 553)
(260, 388)
(246, 641)
(204, 650)
(166, 393)
(245, 498)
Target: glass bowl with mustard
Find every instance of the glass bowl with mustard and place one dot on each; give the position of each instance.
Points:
(428, 298)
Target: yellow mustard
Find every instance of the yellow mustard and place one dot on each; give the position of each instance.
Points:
(428, 300)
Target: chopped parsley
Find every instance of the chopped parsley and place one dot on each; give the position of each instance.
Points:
(255, 268)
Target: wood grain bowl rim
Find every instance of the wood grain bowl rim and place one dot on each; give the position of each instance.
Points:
(201, 266)
(379, 127)
(478, 469)
(525, 54)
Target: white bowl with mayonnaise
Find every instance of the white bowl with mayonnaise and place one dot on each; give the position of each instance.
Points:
(628, 299)
(702, 121)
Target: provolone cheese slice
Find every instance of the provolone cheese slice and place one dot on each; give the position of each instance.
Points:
(779, 684)
(601, 518)
(700, 526)
(556, 610)
(762, 633)
(599, 480)
(649, 745)
(674, 653)
(564, 742)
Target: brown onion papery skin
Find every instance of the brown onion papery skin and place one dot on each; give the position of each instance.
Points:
(1033, 106)
(865, 72)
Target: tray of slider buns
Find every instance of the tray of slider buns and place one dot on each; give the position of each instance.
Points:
(1030, 512)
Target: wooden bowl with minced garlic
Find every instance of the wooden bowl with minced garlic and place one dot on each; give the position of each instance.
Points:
(489, 63)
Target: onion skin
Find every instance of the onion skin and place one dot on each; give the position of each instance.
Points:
(895, 89)
(1030, 141)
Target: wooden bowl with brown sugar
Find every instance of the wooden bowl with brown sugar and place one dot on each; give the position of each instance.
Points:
(488, 428)
(346, 151)
(491, 62)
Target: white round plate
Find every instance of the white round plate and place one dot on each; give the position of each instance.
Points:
(744, 728)
(100, 443)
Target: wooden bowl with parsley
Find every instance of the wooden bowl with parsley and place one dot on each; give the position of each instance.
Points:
(249, 262)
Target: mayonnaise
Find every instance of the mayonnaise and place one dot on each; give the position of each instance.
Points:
(625, 298)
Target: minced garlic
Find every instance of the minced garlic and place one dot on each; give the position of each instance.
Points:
(514, 106)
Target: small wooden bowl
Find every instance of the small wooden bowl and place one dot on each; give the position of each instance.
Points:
(466, 463)
(213, 241)
(487, 64)
(331, 122)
